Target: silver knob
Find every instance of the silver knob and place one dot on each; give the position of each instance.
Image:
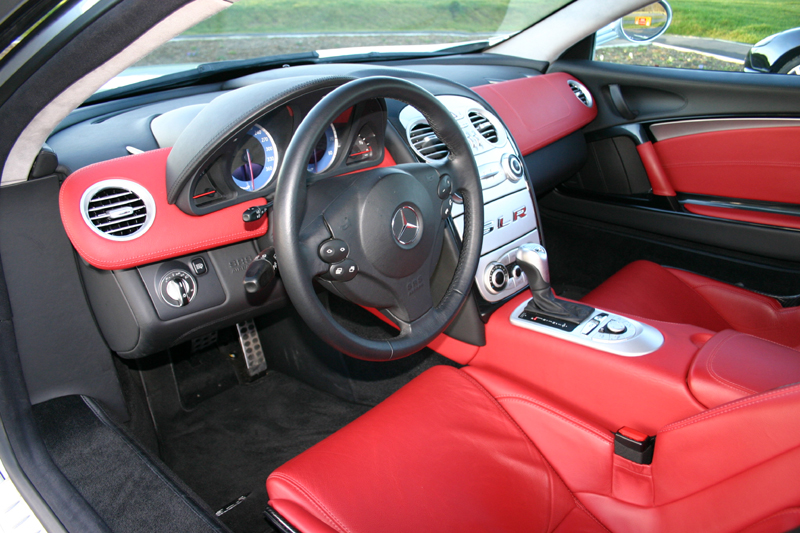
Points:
(615, 327)
(496, 277)
(535, 255)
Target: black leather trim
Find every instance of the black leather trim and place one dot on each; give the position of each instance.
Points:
(223, 117)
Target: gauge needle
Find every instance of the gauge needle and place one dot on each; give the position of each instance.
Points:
(250, 166)
(361, 153)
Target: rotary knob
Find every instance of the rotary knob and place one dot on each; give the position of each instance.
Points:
(512, 167)
(496, 277)
(177, 288)
(615, 327)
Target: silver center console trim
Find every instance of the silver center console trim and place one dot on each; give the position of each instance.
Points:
(638, 339)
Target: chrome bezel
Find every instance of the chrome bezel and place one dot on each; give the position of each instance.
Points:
(132, 186)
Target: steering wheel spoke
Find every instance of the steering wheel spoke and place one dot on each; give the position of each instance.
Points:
(375, 237)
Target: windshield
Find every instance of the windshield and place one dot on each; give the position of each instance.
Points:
(258, 28)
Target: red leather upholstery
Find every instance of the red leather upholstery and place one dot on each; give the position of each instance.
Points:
(648, 290)
(757, 164)
(439, 455)
(733, 365)
(538, 110)
(173, 233)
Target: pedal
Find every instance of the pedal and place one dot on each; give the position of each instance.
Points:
(251, 347)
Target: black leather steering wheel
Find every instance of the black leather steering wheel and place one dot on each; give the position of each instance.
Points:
(392, 221)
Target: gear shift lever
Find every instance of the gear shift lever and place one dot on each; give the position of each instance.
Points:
(532, 258)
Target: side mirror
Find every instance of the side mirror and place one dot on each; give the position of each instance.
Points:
(641, 26)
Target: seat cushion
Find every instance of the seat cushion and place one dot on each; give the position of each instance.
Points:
(649, 290)
(732, 365)
(438, 455)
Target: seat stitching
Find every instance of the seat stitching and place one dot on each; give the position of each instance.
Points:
(570, 420)
(722, 381)
(719, 410)
(331, 518)
(475, 383)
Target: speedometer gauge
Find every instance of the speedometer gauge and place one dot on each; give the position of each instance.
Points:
(255, 160)
(324, 152)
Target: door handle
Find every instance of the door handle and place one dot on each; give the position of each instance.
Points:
(619, 102)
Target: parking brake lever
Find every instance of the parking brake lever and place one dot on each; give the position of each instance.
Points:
(260, 274)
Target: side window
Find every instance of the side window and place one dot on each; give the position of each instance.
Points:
(707, 35)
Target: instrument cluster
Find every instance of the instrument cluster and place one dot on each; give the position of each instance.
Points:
(248, 164)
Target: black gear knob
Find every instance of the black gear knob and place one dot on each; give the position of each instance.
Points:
(532, 258)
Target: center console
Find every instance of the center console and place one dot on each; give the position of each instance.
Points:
(509, 213)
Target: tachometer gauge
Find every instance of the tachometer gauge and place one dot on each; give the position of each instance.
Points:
(363, 147)
(255, 160)
(324, 152)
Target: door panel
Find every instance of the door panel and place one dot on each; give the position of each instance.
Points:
(720, 153)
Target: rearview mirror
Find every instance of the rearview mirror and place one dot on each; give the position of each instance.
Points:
(641, 26)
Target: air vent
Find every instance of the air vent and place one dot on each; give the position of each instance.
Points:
(118, 210)
(581, 92)
(484, 127)
(426, 143)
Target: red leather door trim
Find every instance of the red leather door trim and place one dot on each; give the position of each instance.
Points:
(754, 164)
(173, 233)
(755, 217)
(538, 110)
(655, 172)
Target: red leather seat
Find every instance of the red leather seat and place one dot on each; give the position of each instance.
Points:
(438, 455)
(442, 454)
(648, 290)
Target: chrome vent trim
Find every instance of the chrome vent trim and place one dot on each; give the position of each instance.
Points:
(484, 126)
(118, 210)
(581, 92)
(426, 143)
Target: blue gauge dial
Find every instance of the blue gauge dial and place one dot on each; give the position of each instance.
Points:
(255, 161)
(324, 152)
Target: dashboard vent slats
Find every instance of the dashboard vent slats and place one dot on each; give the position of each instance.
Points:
(484, 127)
(117, 209)
(426, 143)
(581, 93)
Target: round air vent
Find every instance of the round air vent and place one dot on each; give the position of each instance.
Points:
(581, 92)
(425, 142)
(484, 127)
(118, 210)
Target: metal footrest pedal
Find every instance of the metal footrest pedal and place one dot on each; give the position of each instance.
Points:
(251, 347)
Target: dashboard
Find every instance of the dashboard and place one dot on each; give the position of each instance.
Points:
(190, 205)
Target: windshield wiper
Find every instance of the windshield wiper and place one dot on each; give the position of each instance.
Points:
(205, 73)
(465, 48)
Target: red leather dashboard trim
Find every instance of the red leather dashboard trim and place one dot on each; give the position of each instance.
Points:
(755, 164)
(538, 110)
(754, 217)
(173, 233)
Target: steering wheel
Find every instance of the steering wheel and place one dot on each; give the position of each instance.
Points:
(390, 223)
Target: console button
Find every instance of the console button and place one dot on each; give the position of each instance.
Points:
(445, 187)
(589, 327)
(344, 271)
(199, 266)
(333, 251)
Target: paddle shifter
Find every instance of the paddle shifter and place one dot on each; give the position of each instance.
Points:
(532, 258)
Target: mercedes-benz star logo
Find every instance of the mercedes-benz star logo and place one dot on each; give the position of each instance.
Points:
(406, 226)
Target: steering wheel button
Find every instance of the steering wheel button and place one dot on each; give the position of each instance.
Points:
(445, 187)
(344, 271)
(447, 208)
(333, 251)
